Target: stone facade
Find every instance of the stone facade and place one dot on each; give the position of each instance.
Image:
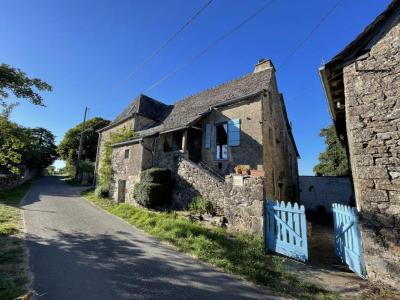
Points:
(249, 152)
(279, 152)
(242, 206)
(126, 169)
(372, 106)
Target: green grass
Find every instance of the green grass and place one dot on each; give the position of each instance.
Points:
(240, 254)
(72, 181)
(13, 273)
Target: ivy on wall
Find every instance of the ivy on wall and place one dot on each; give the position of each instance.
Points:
(105, 171)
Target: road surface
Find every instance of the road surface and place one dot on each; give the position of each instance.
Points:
(78, 251)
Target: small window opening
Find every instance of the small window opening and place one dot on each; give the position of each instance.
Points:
(221, 141)
(126, 153)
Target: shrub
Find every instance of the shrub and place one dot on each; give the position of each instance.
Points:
(156, 175)
(154, 188)
(149, 194)
(102, 191)
(201, 205)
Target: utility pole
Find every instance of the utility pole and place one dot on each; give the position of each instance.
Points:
(80, 145)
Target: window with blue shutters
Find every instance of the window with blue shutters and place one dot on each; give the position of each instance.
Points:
(207, 136)
(234, 132)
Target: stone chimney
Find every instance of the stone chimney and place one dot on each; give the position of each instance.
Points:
(263, 64)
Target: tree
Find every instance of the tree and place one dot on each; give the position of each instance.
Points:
(51, 170)
(15, 81)
(333, 161)
(20, 146)
(12, 143)
(68, 148)
(41, 149)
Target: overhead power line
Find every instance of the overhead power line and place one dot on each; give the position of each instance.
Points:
(214, 43)
(169, 40)
(309, 35)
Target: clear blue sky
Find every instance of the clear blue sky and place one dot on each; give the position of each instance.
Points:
(86, 49)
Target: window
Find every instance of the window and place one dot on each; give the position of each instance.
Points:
(126, 153)
(221, 141)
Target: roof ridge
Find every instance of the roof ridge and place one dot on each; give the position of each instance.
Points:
(221, 85)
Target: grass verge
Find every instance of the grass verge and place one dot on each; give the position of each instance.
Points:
(71, 181)
(13, 272)
(240, 254)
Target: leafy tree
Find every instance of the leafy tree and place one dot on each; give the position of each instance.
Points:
(15, 81)
(41, 149)
(68, 148)
(51, 170)
(20, 146)
(333, 161)
(12, 143)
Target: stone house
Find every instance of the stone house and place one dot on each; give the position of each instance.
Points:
(203, 137)
(362, 84)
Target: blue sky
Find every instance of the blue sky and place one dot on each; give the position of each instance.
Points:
(87, 49)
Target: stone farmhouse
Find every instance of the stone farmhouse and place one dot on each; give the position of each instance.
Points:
(203, 137)
(362, 84)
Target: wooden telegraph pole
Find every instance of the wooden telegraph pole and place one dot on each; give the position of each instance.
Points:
(80, 145)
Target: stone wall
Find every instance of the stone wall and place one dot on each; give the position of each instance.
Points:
(242, 206)
(279, 154)
(105, 136)
(11, 181)
(127, 169)
(372, 92)
(323, 191)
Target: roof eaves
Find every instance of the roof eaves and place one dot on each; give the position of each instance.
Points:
(116, 123)
(127, 142)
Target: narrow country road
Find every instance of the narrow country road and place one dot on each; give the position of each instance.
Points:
(78, 251)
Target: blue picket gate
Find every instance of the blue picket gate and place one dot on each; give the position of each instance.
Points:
(348, 243)
(286, 229)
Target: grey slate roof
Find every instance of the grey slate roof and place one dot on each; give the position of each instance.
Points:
(145, 106)
(188, 109)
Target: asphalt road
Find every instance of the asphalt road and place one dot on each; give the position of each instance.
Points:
(78, 251)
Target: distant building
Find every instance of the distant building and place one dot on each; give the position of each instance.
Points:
(362, 84)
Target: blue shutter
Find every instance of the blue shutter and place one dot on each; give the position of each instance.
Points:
(207, 141)
(234, 132)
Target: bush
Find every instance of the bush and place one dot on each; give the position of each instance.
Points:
(201, 205)
(149, 194)
(102, 191)
(156, 175)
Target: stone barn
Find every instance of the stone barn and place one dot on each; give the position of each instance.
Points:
(204, 138)
(362, 84)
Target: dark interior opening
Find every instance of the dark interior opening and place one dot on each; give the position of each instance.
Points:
(221, 131)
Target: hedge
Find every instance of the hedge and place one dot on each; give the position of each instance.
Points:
(148, 194)
(156, 175)
(154, 188)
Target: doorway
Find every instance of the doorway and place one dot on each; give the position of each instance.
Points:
(121, 190)
(194, 144)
